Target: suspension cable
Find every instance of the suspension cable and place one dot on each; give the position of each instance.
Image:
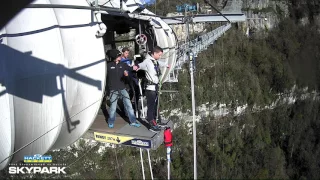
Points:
(216, 129)
(224, 94)
(63, 6)
(207, 2)
(98, 8)
(109, 1)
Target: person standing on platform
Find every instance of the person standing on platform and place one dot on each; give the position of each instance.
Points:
(151, 66)
(125, 56)
(116, 73)
(132, 79)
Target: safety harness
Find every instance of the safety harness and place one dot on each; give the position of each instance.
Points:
(156, 67)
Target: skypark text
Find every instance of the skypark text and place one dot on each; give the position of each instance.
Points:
(34, 170)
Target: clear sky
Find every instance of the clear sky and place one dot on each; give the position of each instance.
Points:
(148, 1)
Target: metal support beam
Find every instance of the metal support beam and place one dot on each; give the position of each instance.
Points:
(142, 167)
(151, 172)
(128, 40)
(204, 18)
(169, 91)
(187, 20)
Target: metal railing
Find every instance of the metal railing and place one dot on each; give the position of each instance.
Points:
(197, 46)
(204, 41)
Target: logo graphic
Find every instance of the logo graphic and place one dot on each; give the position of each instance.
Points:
(37, 169)
(140, 143)
(37, 164)
(38, 158)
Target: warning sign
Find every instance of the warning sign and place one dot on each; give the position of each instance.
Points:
(110, 138)
(125, 140)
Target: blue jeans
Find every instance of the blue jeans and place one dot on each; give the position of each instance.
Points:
(114, 96)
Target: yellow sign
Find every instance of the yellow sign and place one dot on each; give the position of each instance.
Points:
(115, 139)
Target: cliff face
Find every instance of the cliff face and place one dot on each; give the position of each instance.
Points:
(261, 14)
(200, 28)
(264, 14)
(180, 29)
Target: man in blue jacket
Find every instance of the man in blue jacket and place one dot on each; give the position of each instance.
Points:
(125, 59)
(132, 79)
(125, 56)
(116, 73)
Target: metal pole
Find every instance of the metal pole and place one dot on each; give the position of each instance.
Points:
(193, 119)
(141, 98)
(168, 170)
(150, 164)
(142, 165)
(169, 160)
(186, 38)
(193, 102)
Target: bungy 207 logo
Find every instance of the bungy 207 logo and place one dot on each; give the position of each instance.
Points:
(38, 158)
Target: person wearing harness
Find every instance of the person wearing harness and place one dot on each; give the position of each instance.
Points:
(116, 72)
(151, 66)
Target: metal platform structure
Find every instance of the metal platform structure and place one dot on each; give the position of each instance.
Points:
(141, 137)
(123, 133)
(207, 18)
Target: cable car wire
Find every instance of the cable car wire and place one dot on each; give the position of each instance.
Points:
(207, 2)
(99, 8)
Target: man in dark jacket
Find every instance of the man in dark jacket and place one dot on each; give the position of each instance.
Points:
(116, 72)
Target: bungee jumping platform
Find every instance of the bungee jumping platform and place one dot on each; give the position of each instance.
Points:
(124, 134)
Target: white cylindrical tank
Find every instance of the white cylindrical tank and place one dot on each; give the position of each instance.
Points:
(51, 67)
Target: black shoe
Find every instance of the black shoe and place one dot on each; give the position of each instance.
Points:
(155, 129)
(153, 123)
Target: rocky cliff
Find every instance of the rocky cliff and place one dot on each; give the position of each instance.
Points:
(264, 14)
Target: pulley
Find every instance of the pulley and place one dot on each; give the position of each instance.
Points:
(141, 39)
